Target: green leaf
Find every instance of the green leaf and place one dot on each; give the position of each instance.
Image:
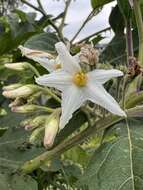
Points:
(118, 27)
(118, 165)
(125, 8)
(15, 149)
(77, 155)
(99, 3)
(17, 182)
(43, 41)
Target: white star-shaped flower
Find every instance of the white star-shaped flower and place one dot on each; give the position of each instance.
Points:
(77, 86)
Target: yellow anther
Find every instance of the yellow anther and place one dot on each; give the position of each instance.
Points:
(57, 66)
(80, 79)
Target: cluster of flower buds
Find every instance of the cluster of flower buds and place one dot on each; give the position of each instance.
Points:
(88, 54)
(43, 126)
(23, 97)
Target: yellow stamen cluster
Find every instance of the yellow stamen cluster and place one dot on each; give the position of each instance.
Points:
(80, 79)
(57, 66)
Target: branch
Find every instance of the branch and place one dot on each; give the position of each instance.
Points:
(41, 7)
(33, 7)
(67, 4)
(139, 21)
(89, 17)
(94, 34)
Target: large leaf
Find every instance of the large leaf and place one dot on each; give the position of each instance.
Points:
(43, 41)
(15, 149)
(17, 182)
(118, 165)
(99, 3)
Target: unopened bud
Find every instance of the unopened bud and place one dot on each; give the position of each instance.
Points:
(30, 108)
(12, 86)
(89, 55)
(17, 66)
(36, 135)
(3, 112)
(33, 123)
(23, 91)
(51, 129)
(25, 108)
(28, 127)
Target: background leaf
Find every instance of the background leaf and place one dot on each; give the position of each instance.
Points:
(43, 41)
(118, 165)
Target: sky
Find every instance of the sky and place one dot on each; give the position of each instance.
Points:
(78, 11)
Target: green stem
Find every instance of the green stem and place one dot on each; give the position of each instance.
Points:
(67, 4)
(139, 21)
(48, 91)
(34, 70)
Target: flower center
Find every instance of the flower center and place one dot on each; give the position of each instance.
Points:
(57, 66)
(80, 79)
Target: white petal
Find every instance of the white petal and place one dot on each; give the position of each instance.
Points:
(58, 79)
(100, 96)
(72, 99)
(70, 64)
(39, 56)
(101, 75)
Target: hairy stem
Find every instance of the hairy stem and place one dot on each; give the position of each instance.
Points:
(139, 21)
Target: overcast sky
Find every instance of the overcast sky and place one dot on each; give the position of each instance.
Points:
(78, 11)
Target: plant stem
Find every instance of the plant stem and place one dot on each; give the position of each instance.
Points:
(67, 4)
(129, 41)
(41, 7)
(94, 34)
(139, 21)
(48, 91)
(89, 17)
(34, 70)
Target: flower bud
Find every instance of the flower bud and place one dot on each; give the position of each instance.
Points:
(33, 123)
(3, 112)
(89, 55)
(29, 108)
(12, 86)
(51, 129)
(36, 135)
(23, 91)
(17, 66)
